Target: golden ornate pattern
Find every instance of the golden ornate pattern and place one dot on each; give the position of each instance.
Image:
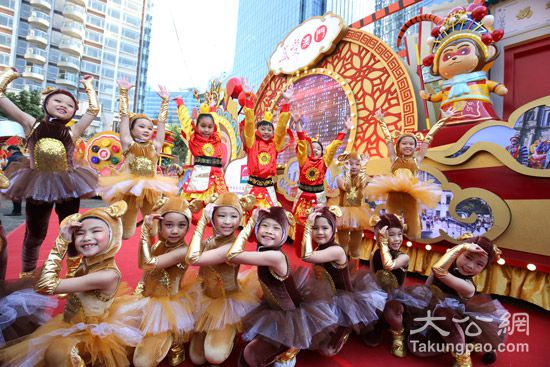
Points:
(264, 158)
(208, 149)
(312, 174)
(378, 79)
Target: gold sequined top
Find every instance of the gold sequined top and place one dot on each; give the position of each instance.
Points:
(407, 165)
(141, 158)
(221, 279)
(354, 189)
(51, 147)
(92, 306)
(163, 282)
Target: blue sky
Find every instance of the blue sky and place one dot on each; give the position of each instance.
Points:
(191, 42)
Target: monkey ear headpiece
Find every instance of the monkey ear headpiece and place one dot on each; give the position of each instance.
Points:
(461, 23)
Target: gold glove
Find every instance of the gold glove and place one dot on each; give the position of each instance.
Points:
(385, 130)
(307, 242)
(123, 101)
(93, 102)
(145, 260)
(4, 181)
(6, 77)
(140, 287)
(194, 251)
(49, 278)
(240, 242)
(163, 114)
(441, 267)
(387, 262)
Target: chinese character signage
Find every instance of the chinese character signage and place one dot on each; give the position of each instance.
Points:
(307, 44)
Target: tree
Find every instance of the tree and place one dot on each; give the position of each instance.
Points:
(180, 147)
(29, 102)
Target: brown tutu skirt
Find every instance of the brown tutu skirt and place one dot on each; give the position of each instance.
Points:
(77, 182)
(294, 328)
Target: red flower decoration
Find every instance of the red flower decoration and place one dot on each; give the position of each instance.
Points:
(479, 13)
(497, 35)
(487, 39)
(435, 31)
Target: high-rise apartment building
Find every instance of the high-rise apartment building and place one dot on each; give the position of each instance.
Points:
(54, 43)
(388, 27)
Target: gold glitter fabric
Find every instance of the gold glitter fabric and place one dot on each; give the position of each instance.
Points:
(50, 155)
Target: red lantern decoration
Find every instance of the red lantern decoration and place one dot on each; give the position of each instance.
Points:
(479, 13)
(234, 87)
(428, 60)
(487, 39)
(497, 35)
(435, 31)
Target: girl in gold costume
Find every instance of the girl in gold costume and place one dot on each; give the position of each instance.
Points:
(402, 190)
(138, 184)
(53, 178)
(226, 299)
(91, 331)
(355, 212)
(166, 305)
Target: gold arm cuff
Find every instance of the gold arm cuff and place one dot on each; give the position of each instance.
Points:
(240, 242)
(194, 251)
(163, 114)
(6, 77)
(145, 260)
(93, 102)
(441, 267)
(49, 278)
(387, 262)
(307, 242)
(123, 101)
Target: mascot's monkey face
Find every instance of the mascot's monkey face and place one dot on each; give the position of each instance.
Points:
(462, 57)
(459, 58)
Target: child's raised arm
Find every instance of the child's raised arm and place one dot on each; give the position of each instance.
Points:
(125, 137)
(8, 107)
(162, 118)
(92, 111)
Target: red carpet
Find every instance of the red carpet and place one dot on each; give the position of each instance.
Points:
(354, 353)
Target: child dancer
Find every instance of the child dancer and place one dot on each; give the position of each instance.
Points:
(167, 307)
(225, 300)
(138, 184)
(402, 190)
(355, 307)
(313, 167)
(206, 146)
(355, 212)
(464, 316)
(289, 318)
(90, 331)
(389, 265)
(52, 178)
(262, 143)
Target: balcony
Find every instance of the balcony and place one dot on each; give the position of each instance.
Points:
(71, 46)
(34, 72)
(67, 79)
(36, 55)
(44, 5)
(39, 19)
(78, 2)
(38, 36)
(69, 62)
(73, 29)
(75, 12)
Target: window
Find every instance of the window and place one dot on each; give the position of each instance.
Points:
(109, 57)
(5, 39)
(106, 88)
(23, 29)
(128, 48)
(52, 72)
(108, 73)
(6, 20)
(127, 63)
(97, 5)
(92, 52)
(8, 4)
(130, 19)
(94, 36)
(111, 27)
(134, 35)
(4, 59)
(110, 42)
(89, 67)
(114, 13)
(95, 21)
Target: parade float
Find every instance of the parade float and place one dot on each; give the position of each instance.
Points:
(495, 174)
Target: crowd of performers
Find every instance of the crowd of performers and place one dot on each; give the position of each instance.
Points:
(279, 309)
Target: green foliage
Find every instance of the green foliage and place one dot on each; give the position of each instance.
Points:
(29, 102)
(180, 147)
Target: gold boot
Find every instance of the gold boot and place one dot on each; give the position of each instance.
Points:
(398, 344)
(176, 355)
(462, 360)
(287, 359)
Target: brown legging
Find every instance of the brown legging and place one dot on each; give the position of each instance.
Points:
(404, 204)
(37, 218)
(129, 219)
(261, 352)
